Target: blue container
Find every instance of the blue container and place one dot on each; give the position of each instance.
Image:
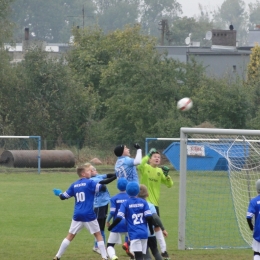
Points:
(209, 156)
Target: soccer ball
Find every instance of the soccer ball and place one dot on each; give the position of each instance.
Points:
(184, 104)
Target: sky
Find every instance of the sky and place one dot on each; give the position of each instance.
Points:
(190, 8)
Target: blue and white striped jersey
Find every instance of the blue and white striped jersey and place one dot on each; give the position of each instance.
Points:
(101, 198)
(125, 167)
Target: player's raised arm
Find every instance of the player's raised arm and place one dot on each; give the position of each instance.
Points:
(138, 156)
(58, 192)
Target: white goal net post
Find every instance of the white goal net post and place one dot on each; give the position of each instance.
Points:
(217, 170)
(38, 140)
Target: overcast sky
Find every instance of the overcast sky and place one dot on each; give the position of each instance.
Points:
(191, 7)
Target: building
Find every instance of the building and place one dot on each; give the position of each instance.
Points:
(55, 50)
(222, 59)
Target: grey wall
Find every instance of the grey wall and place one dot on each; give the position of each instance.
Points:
(217, 63)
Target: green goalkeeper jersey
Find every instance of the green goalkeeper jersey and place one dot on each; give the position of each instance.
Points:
(152, 178)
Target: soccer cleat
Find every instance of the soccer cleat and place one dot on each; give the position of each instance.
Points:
(165, 256)
(97, 250)
(56, 258)
(114, 258)
(126, 248)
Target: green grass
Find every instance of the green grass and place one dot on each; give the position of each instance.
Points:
(33, 222)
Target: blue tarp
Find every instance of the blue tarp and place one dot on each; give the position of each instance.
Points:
(209, 156)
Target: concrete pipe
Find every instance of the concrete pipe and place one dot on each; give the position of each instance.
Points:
(29, 158)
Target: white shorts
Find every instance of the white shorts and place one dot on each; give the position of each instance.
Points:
(138, 245)
(91, 226)
(256, 246)
(116, 238)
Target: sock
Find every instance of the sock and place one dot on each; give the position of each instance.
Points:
(101, 246)
(256, 257)
(161, 240)
(126, 239)
(103, 235)
(111, 252)
(95, 244)
(64, 244)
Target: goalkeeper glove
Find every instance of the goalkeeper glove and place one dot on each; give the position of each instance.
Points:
(137, 146)
(151, 152)
(57, 192)
(165, 170)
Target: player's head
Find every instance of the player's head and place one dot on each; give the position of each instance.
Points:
(93, 171)
(132, 189)
(155, 159)
(84, 171)
(121, 184)
(257, 184)
(143, 193)
(88, 166)
(121, 150)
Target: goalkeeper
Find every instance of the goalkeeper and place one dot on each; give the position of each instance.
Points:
(253, 212)
(152, 176)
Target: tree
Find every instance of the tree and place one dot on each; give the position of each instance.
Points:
(5, 23)
(47, 101)
(48, 20)
(183, 26)
(153, 11)
(254, 12)
(226, 105)
(116, 14)
(253, 68)
(8, 83)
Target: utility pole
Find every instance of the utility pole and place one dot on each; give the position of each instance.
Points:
(162, 23)
(164, 27)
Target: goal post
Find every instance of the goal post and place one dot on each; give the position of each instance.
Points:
(237, 173)
(37, 138)
(217, 171)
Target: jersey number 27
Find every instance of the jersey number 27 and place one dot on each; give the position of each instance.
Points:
(138, 218)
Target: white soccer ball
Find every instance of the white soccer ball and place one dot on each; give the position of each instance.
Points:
(184, 104)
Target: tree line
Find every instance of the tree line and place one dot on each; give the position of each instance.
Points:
(52, 21)
(116, 88)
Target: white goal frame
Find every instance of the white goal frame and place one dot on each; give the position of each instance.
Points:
(38, 138)
(184, 131)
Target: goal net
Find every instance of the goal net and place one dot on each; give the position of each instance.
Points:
(218, 170)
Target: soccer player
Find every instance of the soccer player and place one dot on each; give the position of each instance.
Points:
(101, 200)
(120, 229)
(152, 242)
(253, 212)
(126, 166)
(137, 214)
(83, 190)
(152, 176)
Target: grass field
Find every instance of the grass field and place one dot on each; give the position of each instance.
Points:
(33, 222)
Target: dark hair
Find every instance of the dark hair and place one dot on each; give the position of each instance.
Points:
(118, 151)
